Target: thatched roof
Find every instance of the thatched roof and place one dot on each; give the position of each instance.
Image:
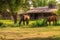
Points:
(42, 10)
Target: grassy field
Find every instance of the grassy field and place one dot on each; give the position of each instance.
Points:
(10, 23)
(27, 33)
(18, 33)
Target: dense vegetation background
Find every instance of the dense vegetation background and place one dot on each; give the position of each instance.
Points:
(14, 6)
(36, 30)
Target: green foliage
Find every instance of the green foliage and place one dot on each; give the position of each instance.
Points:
(1, 23)
(39, 23)
(32, 23)
(38, 3)
(58, 12)
(52, 1)
(3, 5)
(13, 5)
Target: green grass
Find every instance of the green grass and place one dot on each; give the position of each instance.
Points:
(32, 23)
(7, 21)
(25, 32)
(11, 23)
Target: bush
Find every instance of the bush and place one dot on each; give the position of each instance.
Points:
(39, 23)
(1, 23)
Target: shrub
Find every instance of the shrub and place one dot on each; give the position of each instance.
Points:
(39, 23)
(1, 23)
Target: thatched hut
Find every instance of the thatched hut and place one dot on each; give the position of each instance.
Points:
(39, 12)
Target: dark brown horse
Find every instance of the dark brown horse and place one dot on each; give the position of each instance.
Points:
(24, 18)
(52, 18)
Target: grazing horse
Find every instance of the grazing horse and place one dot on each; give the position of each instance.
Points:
(24, 18)
(52, 18)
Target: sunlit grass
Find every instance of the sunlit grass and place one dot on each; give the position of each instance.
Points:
(7, 21)
(27, 32)
(31, 23)
(19, 32)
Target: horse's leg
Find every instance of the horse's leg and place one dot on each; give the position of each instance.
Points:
(20, 22)
(27, 22)
(55, 21)
(49, 22)
(23, 22)
(46, 22)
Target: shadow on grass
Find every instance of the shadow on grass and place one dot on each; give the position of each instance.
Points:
(37, 38)
(56, 24)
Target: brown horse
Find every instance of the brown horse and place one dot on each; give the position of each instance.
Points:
(24, 18)
(52, 18)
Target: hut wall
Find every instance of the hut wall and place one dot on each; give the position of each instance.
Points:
(39, 15)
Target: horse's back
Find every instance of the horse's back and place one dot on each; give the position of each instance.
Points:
(51, 18)
(26, 17)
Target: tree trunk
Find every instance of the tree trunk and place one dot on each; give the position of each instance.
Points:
(14, 17)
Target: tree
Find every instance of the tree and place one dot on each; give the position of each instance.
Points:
(13, 6)
(3, 7)
(58, 12)
(39, 3)
(52, 4)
